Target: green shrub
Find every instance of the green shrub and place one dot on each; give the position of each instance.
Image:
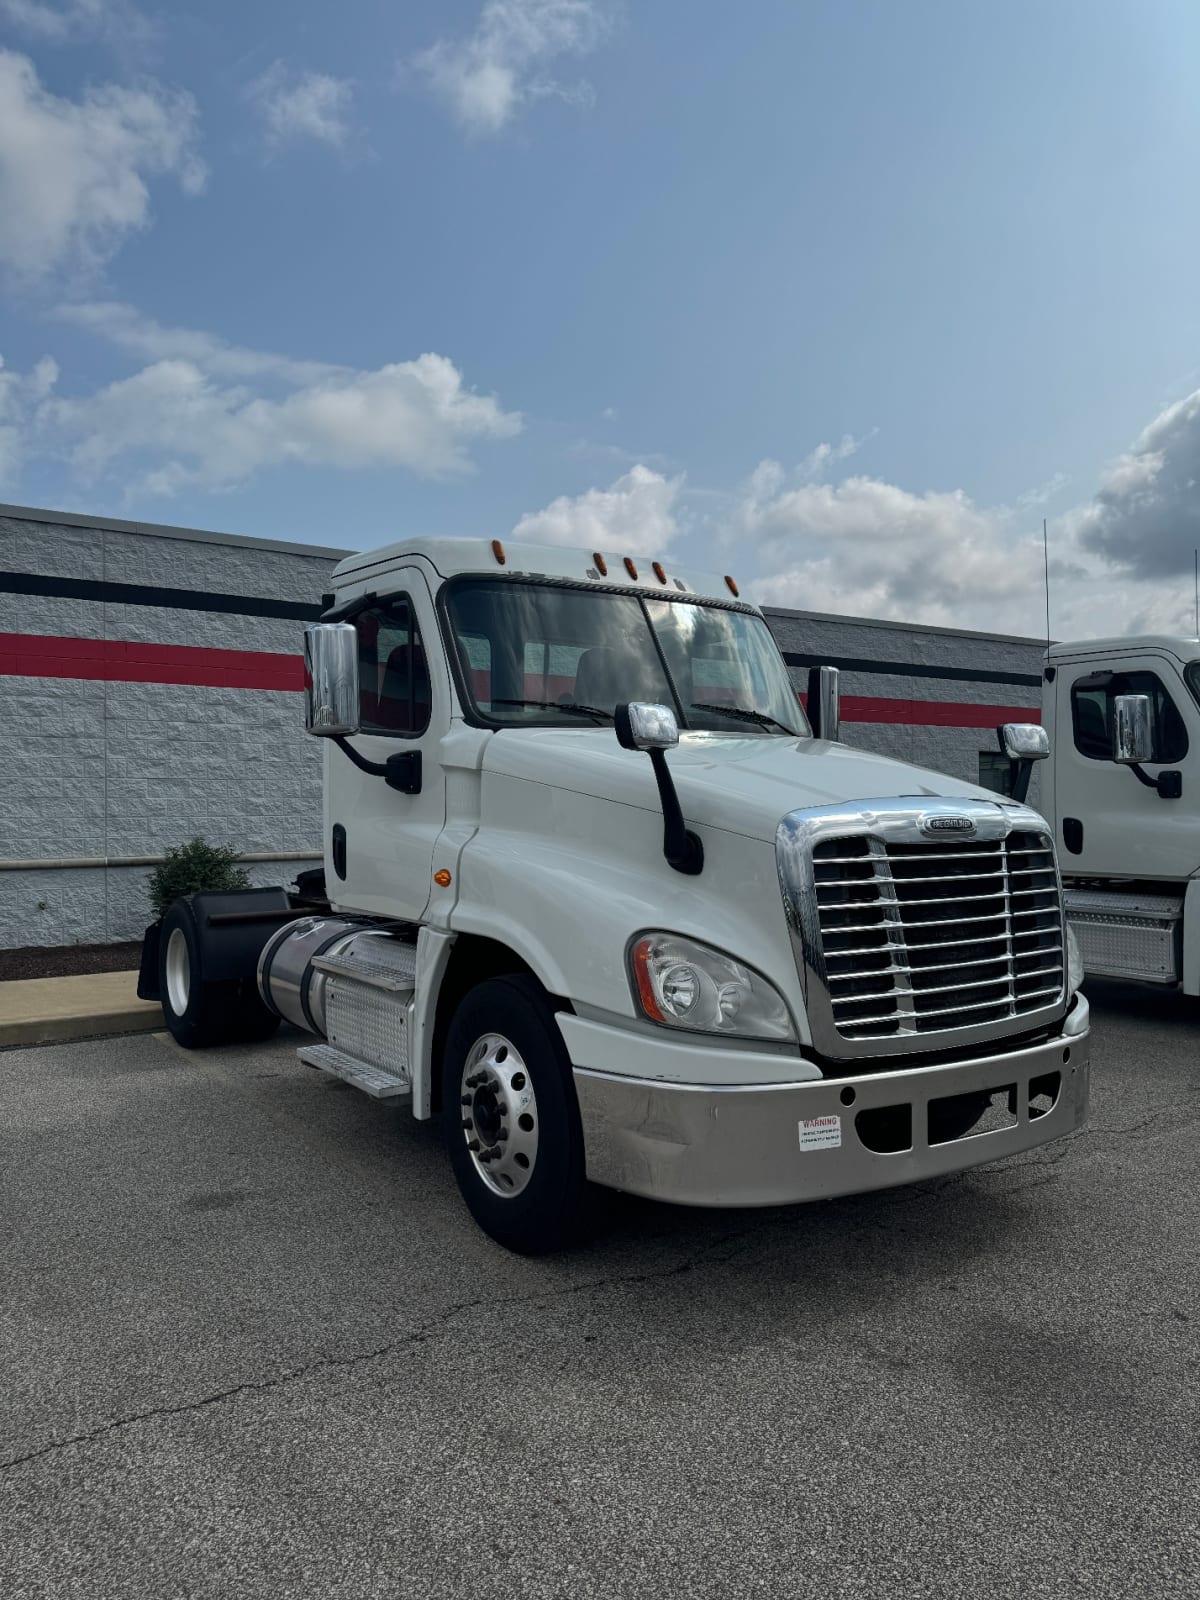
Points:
(193, 867)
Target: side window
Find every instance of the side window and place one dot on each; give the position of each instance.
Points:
(393, 673)
(1092, 715)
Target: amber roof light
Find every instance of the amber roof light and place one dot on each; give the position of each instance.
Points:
(732, 587)
(601, 564)
(658, 571)
(629, 567)
(498, 552)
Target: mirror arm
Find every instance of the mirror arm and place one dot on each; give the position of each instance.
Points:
(682, 848)
(401, 771)
(1022, 772)
(1142, 777)
(374, 769)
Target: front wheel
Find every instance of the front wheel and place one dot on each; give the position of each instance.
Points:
(511, 1118)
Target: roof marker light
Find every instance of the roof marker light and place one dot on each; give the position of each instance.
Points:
(498, 552)
(732, 587)
(601, 564)
(658, 572)
(629, 567)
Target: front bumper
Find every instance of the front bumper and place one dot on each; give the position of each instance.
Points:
(771, 1144)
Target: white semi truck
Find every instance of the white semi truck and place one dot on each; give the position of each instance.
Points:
(599, 892)
(1123, 717)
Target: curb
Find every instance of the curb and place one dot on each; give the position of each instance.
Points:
(36, 1011)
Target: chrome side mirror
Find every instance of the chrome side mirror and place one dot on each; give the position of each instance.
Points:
(825, 702)
(1133, 729)
(642, 725)
(1024, 741)
(331, 680)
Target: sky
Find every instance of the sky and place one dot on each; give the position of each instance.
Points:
(840, 296)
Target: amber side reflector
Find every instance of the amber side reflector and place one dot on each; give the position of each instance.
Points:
(732, 587)
(498, 552)
(659, 573)
(629, 567)
(442, 879)
(601, 564)
(641, 976)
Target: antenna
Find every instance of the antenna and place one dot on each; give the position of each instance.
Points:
(1046, 559)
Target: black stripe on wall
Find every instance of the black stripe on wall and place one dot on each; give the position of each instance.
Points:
(911, 669)
(142, 594)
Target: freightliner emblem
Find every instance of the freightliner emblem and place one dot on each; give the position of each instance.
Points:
(960, 826)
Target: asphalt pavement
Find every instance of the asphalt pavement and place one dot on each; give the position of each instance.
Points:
(252, 1345)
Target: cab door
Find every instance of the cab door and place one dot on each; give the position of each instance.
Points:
(379, 841)
(1109, 823)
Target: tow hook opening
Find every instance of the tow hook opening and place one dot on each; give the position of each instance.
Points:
(885, 1129)
(1043, 1094)
(961, 1116)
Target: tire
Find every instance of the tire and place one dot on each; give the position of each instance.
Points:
(506, 1078)
(200, 1013)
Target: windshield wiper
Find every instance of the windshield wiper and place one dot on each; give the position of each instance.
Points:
(745, 715)
(595, 712)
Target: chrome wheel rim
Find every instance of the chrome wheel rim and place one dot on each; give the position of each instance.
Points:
(499, 1115)
(178, 971)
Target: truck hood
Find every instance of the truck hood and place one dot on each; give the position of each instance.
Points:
(742, 785)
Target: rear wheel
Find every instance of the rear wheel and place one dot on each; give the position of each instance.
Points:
(200, 1011)
(511, 1118)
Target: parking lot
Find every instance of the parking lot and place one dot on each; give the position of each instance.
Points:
(253, 1345)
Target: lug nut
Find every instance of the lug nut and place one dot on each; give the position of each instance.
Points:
(467, 1098)
(472, 1144)
(467, 1122)
(502, 1135)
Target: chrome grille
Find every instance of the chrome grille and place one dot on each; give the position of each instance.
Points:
(922, 937)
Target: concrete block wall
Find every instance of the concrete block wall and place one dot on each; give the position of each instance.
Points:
(99, 766)
(103, 759)
(960, 685)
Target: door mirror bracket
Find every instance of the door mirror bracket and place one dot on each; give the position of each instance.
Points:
(653, 728)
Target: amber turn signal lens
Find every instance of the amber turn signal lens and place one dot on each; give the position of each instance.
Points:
(498, 552)
(442, 878)
(641, 976)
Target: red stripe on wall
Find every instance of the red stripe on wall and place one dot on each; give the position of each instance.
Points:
(933, 713)
(35, 655)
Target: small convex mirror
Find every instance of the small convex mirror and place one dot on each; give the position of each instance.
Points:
(1133, 729)
(642, 725)
(1024, 741)
(331, 679)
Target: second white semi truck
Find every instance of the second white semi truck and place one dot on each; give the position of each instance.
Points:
(601, 894)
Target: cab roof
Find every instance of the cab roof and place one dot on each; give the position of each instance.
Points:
(1168, 644)
(479, 557)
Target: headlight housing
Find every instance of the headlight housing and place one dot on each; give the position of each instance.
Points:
(684, 984)
(1074, 961)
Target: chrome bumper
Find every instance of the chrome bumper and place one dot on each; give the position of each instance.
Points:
(771, 1144)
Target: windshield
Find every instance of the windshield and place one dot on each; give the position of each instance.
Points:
(541, 653)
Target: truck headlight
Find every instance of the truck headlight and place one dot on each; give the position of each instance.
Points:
(684, 984)
(1074, 962)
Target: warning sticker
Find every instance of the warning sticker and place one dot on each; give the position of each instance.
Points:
(820, 1133)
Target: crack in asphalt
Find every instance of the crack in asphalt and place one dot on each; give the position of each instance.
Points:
(418, 1335)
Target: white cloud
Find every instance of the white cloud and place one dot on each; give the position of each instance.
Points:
(208, 414)
(818, 462)
(21, 396)
(1146, 515)
(73, 173)
(302, 105)
(635, 514)
(488, 76)
(141, 336)
(72, 19)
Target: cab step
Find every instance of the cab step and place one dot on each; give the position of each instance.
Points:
(379, 962)
(376, 1082)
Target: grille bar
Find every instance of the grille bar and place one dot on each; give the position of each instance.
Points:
(885, 937)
